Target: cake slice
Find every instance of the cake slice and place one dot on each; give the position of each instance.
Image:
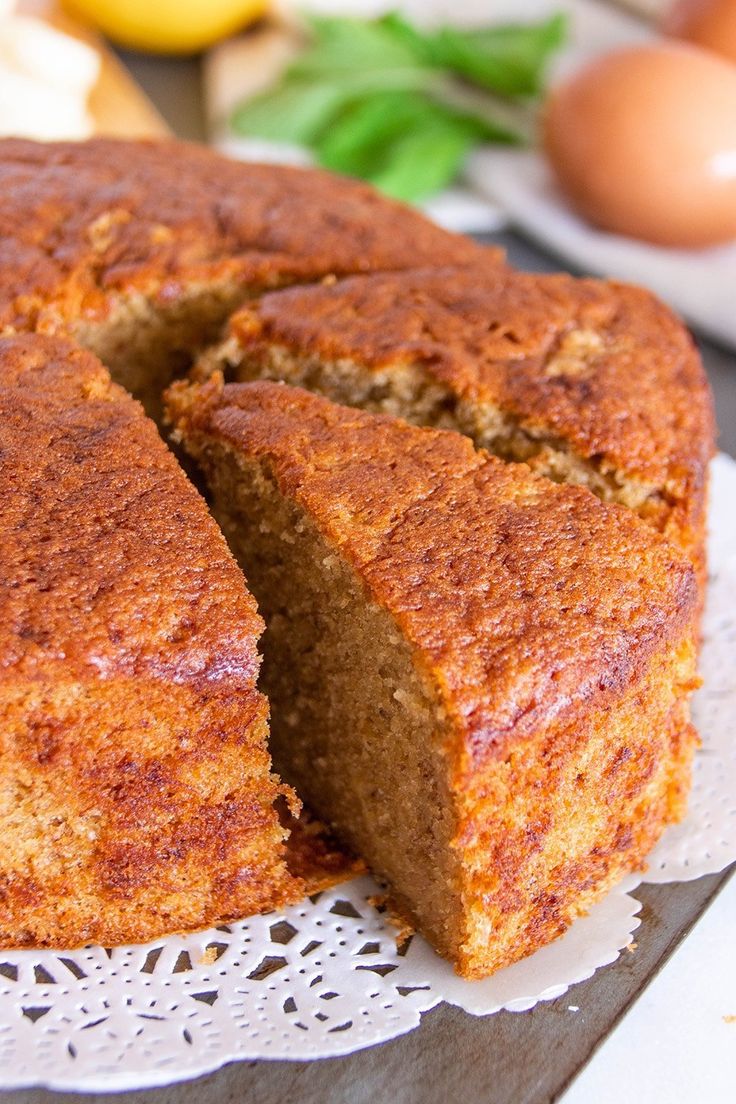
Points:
(587, 381)
(136, 793)
(479, 677)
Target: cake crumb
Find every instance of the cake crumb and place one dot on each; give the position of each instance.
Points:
(404, 928)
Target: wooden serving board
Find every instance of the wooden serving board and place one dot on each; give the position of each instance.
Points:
(118, 105)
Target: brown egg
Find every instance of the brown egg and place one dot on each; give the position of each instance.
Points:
(708, 23)
(643, 142)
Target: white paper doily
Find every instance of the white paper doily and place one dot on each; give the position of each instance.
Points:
(325, 978)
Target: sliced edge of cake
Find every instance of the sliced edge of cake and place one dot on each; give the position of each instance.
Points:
(479, 677)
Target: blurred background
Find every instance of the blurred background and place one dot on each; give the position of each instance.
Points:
(606, 133)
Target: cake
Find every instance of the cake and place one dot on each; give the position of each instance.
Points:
(136, 792)
(141, 249)
(478, 671)
(587, 381)
(478, 676)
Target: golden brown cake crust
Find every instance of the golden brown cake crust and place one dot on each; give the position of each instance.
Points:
(98, 600)
(128, 664)
(80, 222)
(450, 541)
(604, 366)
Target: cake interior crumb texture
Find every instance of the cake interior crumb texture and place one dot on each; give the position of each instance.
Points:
(351, 718)
(415, 736)
(145, 343)
(588, 382)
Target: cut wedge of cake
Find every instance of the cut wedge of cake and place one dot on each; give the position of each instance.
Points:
(478, 676)
(141, 249)
(587, 381)
(136, 793)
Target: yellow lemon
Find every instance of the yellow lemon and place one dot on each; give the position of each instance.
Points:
(167, 26)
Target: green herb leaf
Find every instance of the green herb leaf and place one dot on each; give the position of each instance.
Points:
(419, 42)
(361, 140)
(356, 142)
(296, 112)
(352, 45)
(510, 60)
(424, 161)
(382, 100)
(299, 109)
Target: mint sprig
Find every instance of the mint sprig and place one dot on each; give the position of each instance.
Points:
(400, 107)
(509, 60)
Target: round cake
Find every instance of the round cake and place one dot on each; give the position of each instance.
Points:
(553, 634)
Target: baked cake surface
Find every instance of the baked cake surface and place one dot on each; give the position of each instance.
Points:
(136, 795)
(588, 381)
(141, 249)
(478, 676)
